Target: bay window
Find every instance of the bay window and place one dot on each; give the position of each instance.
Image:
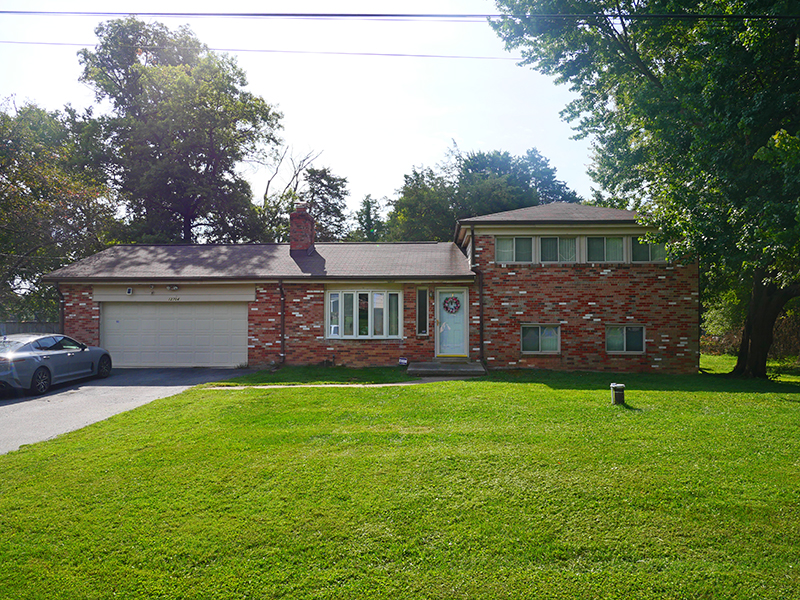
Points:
(363, 314)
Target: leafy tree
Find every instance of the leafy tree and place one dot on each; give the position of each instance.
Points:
(127, 48)
(678, 110)
(424, 208)
(326, 195)
(475, 183)
(182, 122)
(370, 226)
(52, 211)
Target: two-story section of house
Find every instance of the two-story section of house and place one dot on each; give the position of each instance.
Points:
(574, 287)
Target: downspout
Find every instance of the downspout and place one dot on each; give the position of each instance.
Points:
(477, 271)
(283, 322)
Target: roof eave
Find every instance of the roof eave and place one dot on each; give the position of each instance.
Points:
(256, 279)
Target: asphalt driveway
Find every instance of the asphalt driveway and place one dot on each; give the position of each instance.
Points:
(70, 406)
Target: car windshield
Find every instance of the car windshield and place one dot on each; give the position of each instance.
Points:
(9, 345)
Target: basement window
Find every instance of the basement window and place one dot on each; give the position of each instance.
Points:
(541, 339)
(625, 339)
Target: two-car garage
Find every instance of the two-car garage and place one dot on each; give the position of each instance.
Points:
(150, 327)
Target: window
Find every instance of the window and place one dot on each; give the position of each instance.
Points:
(641, 252)
(541, 338)
(625, 338)
(363, 314)
(513, 249)
(604, 249)
(422, 311)
(559, 249)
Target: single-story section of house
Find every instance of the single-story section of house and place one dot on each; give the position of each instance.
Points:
(557, 286)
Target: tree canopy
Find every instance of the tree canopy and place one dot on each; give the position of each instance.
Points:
(52, 211)
(182, 123)
(431, 201)
(326, 196)
(688, 118)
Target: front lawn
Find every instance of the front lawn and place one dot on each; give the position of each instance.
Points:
(525, 485)
(292, 375)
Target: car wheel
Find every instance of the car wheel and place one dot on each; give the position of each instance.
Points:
(104, 366)
(41, 381)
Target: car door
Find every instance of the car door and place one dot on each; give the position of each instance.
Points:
(54, 357)
(78, 356)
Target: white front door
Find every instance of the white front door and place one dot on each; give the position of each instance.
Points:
(452, 332)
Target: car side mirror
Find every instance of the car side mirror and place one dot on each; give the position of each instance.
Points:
(83, 347)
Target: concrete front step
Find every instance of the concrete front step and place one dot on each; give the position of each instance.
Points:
(446, 369)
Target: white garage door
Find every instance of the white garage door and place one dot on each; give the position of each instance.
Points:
(158, 334)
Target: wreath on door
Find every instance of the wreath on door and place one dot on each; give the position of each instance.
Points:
(451, 304)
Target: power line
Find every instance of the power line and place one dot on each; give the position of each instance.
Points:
(311, 52)
(412, 16)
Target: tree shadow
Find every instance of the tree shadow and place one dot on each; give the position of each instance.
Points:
(594, 381)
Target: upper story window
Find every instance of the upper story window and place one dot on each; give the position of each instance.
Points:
(513, 249)
(605, 249)
(641, 252)
(570, 249)
(559, 249)
(363, 314)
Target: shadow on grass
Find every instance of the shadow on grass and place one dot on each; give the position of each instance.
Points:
(701, 382)
(557, 380)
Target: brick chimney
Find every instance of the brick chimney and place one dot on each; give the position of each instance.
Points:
(301, 229)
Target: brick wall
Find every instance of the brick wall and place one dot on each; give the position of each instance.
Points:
(305, 331)
(81, 314)
(584, 299)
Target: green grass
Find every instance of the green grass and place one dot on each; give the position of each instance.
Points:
(291, 375)
(786, 370)
(526, 485)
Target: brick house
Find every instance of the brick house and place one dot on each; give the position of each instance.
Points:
(557, 286)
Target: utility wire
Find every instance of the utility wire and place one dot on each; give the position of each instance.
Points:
(310, 52)
(413, 17)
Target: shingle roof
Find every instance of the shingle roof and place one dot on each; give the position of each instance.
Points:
(426, 260)
(556, 213)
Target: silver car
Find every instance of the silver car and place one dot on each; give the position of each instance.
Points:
(36, 361)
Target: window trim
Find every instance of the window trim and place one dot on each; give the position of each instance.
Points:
(514, 239)
(371, 294)
(625, 351)
(576, 238)
(605, 239)
(423, 306)
(636, 240)
(557, 327)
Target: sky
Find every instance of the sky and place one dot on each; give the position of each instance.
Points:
(374, 97)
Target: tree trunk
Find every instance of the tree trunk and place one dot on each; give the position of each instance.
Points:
(766, 303)
(187, 229)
